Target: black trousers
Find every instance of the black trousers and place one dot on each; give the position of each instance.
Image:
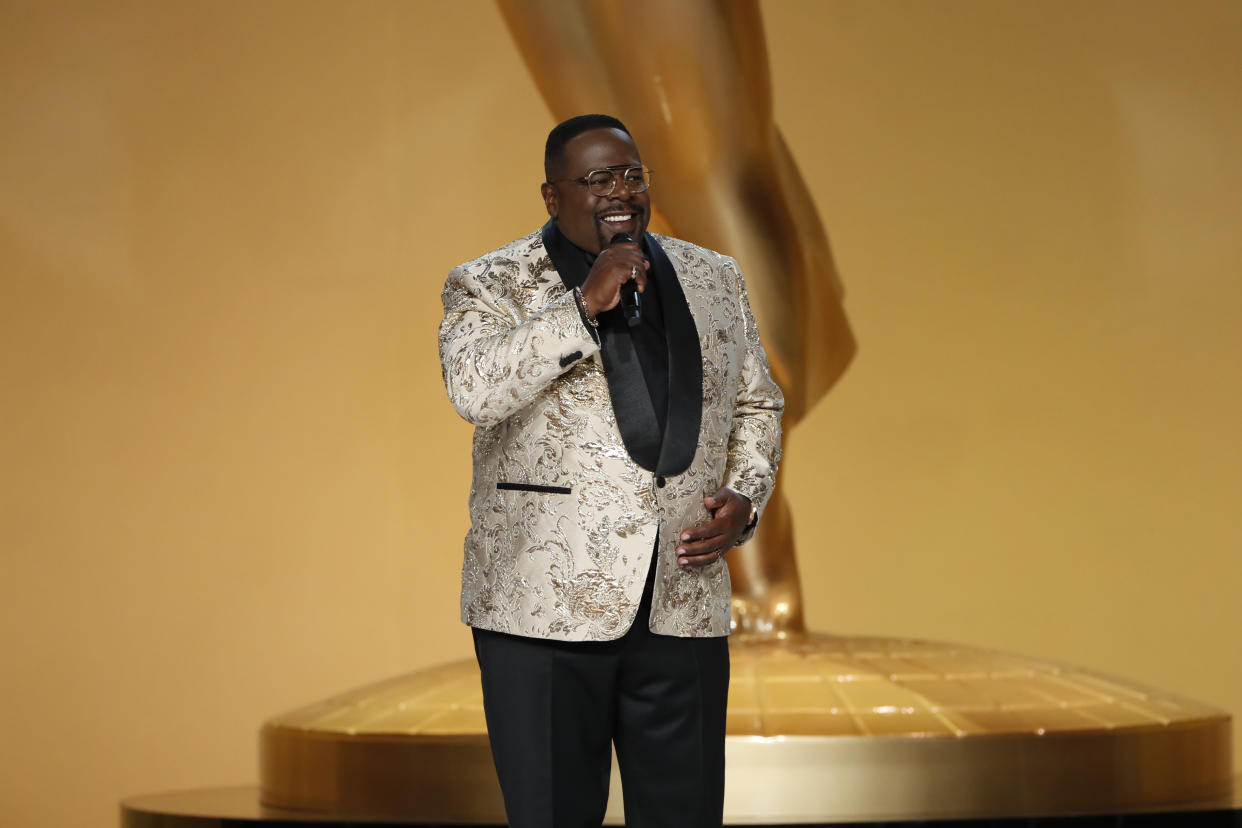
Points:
(555, 708)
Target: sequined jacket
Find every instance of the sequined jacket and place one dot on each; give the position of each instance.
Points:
(563, 521)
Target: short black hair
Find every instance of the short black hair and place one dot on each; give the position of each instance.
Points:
(566, 131)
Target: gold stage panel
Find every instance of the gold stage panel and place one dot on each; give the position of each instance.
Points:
(820, 728)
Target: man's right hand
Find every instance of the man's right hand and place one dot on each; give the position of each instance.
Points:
(614, 266)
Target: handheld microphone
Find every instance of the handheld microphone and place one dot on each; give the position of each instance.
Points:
(630, 304)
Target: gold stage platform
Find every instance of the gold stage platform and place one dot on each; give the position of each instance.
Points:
(822, 729)
(237, 806)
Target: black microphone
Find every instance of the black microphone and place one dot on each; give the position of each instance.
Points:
(630, 304)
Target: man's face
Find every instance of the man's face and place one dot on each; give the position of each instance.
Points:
(588, 220)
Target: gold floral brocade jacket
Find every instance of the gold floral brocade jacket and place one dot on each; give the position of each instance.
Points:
(563, 521)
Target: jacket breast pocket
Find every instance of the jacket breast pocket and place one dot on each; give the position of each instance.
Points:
(506, 486)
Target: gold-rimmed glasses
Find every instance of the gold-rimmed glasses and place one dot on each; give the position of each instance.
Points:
(603, 182)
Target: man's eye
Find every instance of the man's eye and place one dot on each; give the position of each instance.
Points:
(600, 179)
(633, 178)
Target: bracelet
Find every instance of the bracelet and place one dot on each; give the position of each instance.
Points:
(586, 312)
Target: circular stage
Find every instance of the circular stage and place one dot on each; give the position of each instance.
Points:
(237, 806)
(821, 729)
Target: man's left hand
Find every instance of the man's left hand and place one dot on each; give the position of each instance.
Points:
(707, 543)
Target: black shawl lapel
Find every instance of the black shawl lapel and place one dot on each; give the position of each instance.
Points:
(685, 368)
(631, 403)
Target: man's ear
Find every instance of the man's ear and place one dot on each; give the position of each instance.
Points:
(549, 198)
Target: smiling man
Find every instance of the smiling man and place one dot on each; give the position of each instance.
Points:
(621, 448)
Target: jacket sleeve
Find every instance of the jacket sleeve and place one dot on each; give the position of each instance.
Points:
(495, 356)
(755, 439)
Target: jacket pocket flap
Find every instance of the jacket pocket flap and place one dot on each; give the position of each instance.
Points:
(532, 487)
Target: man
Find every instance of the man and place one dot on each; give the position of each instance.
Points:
(614, 466)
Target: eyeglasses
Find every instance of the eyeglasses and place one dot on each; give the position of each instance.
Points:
(603, 182)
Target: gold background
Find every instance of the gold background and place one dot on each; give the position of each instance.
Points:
(232, 481)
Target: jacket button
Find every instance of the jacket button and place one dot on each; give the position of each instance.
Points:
(660, 482)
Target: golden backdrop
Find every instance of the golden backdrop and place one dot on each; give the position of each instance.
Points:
(233, 484)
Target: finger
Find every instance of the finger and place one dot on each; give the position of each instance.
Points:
(632, 268)
(712, 528)
(618, 251)
(626, 268)
(702, 547)
(630, 253)
(633, 263)
(730, 514)
(724, 518)
(690, 561)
